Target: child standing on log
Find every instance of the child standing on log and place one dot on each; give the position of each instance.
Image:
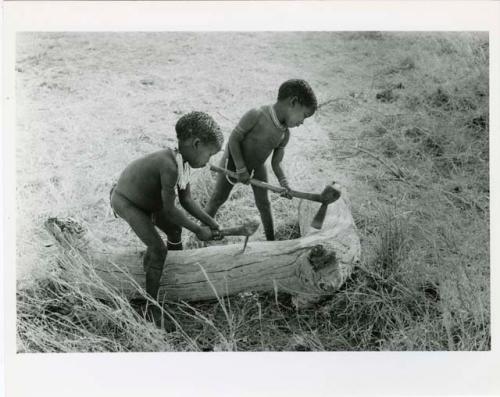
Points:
(145, 193)
(260, 132)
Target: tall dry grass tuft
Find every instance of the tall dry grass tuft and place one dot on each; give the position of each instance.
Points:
(392, 247)
(437, 133)
(83, 314)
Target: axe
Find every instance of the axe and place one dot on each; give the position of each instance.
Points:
(248, 228)
(327, 196)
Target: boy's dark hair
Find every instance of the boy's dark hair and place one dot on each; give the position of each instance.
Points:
(301, 89)
(199, 125)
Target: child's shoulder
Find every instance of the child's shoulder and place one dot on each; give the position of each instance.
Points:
(164, 158)
(260, 110)
(167, 154)
(166, 164)
(254, 113)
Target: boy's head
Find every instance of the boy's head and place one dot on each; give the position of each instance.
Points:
(199, 138)
(299, 99)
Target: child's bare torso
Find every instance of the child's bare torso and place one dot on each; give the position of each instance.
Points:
(141, 181)
(260, 141)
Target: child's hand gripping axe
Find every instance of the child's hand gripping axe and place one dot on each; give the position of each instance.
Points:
(248, 228)
(329, 195)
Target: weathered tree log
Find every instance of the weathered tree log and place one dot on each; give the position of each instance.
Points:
(311, 266)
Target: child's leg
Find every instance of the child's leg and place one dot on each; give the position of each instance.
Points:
(141, 224)
(263, 204)
(221, 190)
(173, 231)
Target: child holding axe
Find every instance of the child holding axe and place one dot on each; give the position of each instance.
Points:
(145, 193)
(260, 132)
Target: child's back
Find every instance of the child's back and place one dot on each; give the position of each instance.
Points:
(140, 181)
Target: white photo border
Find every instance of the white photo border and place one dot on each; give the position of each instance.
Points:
(243, 374)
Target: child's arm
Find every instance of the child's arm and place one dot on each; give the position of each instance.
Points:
(246, 123)
(176, 215)
(194, 209)
(278, 155)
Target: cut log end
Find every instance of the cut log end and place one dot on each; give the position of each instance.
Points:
(67, 226)
(320, 258)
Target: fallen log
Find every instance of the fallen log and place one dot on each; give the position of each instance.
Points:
(309, 267)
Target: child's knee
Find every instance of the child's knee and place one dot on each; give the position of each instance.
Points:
(215, 202)
(114, 201)
(222, 190)
(219, 199)
(119, 205)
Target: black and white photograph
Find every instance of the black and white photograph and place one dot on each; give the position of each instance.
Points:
(218, 191)
(363, 227)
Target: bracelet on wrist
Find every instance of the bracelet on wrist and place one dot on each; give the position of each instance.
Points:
(283, 182)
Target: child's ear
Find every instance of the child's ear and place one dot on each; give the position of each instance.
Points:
(294, 101)
(196, 143)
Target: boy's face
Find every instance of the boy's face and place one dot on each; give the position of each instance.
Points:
(297, 113)
(201, 153)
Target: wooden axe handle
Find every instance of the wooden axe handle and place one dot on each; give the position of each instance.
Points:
(248, 228)
(236, 231)
(294, 193)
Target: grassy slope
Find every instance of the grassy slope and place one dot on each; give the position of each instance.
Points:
(403, 125)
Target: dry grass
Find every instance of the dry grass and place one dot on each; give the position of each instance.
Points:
(417, 106)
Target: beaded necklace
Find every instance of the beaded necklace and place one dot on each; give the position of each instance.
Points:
(276, 122)
(183, 169)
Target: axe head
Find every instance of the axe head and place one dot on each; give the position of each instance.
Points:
(328, 196)
(250, 226)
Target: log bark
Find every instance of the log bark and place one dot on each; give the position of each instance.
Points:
(309, 267)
